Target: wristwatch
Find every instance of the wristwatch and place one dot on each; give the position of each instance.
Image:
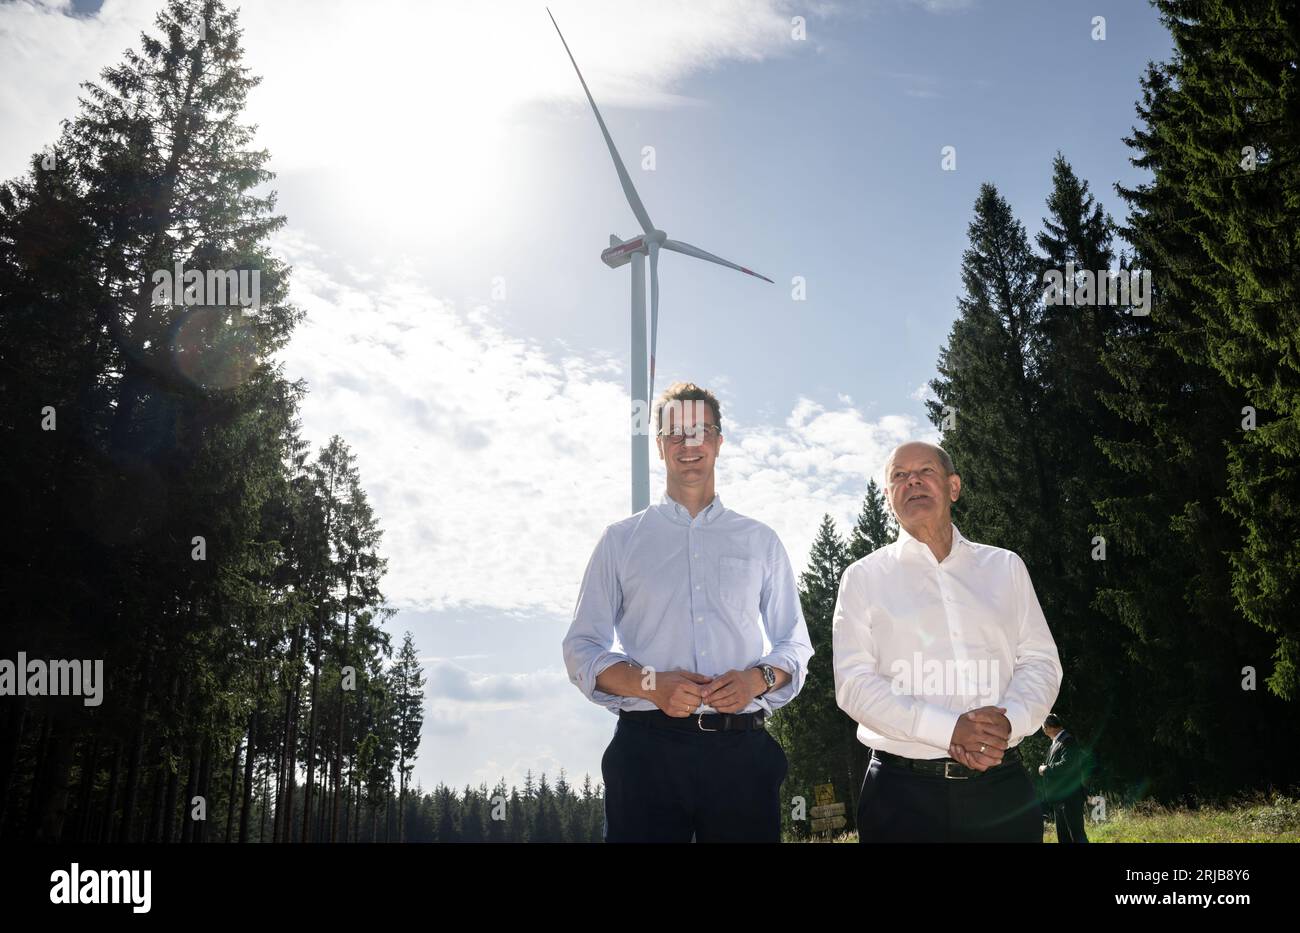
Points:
(769, 676)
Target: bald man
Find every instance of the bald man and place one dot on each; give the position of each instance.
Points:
(944, 659)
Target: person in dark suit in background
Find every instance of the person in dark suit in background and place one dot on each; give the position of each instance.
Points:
(1063, 777)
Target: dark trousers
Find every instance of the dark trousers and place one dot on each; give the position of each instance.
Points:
(1069, 819)
(898, 805)
(664, 784)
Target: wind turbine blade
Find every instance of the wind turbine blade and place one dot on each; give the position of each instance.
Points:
(679, 247)
(654, 314)
(633, 199)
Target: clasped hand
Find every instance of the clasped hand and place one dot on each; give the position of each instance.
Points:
(679, 693)
(980, 737)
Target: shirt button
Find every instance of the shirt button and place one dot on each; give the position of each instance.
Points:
(697, 586)
(699, 618)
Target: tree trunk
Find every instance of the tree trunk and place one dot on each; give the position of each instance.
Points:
(338, 735)
(132, 781)
(311, 729)
(125, 831)
(266, 791)
(36, 794)
(199, 828)
(110, 803)
(54, 809)
(13, 741)
(191, 788)
(250, 759)
(159, 828)
(284, 829)
(323, 808)
(89, 770)
(232, 792)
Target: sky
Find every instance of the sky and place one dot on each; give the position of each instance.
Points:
(448, 195)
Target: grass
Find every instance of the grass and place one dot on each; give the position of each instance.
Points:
(1258, 818)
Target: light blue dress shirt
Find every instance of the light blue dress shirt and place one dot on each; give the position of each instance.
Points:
(686, 593)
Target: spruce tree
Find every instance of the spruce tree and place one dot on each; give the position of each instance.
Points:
(409, 681)
(1229, 137)
(1187, 639)
(989, 401)
(875, 526)
(811, 728)
(1078, 235)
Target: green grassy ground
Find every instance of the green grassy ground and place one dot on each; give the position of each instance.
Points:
(1258, 820)
(1255, 819)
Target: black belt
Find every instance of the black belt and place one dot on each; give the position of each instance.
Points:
(697, 722)
(945, 767)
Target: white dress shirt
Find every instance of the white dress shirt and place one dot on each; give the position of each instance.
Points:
(900, 611)
(692, 594)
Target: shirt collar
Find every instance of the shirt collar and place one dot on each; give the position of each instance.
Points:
(958, 539)
(679, 513)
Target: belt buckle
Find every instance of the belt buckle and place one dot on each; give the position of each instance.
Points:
(954, 777)
(699, 721)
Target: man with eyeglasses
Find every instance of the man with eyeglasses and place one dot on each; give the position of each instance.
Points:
(929, 633)
(689, 587)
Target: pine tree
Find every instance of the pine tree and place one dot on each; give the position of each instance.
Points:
(174, 427)
(447, 815)
(989, 398)
(1172, 589)
(812, 728)
(1074, 424)
(875, 526)
(498, 803)
(409, 681)
(1231, 106)
(545, 821)
(471, 817)
(516, 818)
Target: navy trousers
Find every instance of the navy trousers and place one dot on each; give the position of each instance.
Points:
(898, 805)
(1069, 819)
(664, 784)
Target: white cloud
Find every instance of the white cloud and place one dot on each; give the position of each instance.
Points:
(923, 393)
(44, 55)
(448, 681)
(943, 6)
(493, 463)
(408, 90)
(487, 504)
(493, 460)
(817, 463)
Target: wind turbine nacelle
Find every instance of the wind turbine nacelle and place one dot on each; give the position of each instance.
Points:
(620, 251)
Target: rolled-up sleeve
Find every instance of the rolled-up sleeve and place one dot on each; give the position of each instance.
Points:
(588, 646)
(784, 622)
(862, 691)
(1036, 677)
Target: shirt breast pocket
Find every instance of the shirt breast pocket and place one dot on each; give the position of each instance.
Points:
(739, 581)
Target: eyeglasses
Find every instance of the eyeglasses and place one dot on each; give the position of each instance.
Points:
(694, 435)
(902, 476)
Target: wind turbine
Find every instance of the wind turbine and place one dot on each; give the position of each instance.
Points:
(633, 251)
